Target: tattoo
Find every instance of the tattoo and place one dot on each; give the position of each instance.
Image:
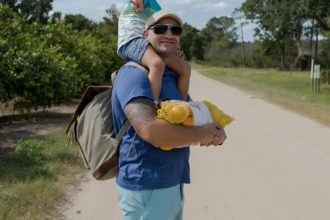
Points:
(139, 111)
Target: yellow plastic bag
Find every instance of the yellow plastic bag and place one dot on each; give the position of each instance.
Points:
(194, 113)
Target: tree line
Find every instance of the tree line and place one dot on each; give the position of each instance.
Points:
(290, 30)
(47, 59)
(289, 34)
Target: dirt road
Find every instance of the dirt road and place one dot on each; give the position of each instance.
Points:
(275, 165)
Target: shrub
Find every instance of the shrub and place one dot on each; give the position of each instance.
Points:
(46, 64)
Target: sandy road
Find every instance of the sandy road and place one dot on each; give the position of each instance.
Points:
(275, 165)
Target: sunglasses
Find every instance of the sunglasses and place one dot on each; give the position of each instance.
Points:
(162, 28)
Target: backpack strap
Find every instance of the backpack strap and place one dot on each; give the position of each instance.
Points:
(131, 63)
(121, 133)
(92, 91)
(126, 124)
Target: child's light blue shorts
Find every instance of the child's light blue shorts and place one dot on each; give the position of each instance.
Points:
(158, 204)
(134, 50)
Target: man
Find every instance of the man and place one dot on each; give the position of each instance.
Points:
(150, 180)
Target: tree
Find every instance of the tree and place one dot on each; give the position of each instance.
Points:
(11, 3)
(46, 64)
(31, 10)
(219, 35)
(274, 20)
(197, 47)
(188, 33)
(239, 15)
(218, 28)
(325, 53)
(317, 13)
(56, 16)
(110, 22)
(79, 22)
(34, 10)
(283, 22)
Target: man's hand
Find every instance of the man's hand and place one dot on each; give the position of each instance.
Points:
(137, 5)
(179, 53)
(141, 113)
(213, 135)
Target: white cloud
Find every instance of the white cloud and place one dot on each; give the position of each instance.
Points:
(181, 2)
(120, 5)
(220, 5)
(194, 7)
(196, 3)
(210, 6)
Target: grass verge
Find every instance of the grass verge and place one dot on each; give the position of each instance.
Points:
(34, 177)
(290, 89)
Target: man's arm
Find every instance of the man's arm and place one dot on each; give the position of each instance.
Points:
(142, 115)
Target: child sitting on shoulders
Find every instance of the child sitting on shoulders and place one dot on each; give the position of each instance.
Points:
(133, 47)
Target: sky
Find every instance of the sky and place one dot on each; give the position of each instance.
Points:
(195, 12)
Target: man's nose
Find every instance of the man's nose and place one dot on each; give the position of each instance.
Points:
(168, 33)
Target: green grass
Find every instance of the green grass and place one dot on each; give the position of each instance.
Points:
(34, 178)
(291, 90)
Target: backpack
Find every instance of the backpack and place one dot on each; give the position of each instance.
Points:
(93, 130)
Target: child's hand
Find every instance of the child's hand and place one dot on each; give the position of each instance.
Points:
(179, 52)
(137, 5)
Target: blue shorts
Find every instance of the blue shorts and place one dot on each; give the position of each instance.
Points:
(134, 50)
(160, 204)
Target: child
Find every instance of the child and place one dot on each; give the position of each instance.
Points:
(132, 46)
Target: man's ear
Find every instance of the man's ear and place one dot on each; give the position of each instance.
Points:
(145, 33)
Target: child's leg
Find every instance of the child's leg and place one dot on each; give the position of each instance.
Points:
(156, 66)
(140, 51)
(183, 71)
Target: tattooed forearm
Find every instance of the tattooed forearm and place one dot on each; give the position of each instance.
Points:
(140, 111)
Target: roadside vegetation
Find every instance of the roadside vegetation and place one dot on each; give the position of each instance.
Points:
(34, 178)
(47, 61)
(290, 89)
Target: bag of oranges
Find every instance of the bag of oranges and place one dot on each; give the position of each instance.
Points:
(195, 113)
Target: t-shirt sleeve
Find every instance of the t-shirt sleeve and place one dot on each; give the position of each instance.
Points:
(152, 4)
(132, 83)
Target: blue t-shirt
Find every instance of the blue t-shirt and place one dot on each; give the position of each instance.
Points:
(141, 165)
